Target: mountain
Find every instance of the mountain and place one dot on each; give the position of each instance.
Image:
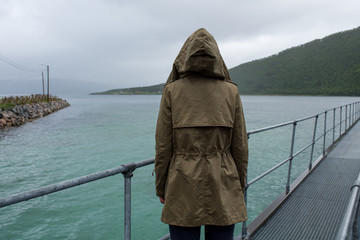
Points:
(151, 90)
(328, 66)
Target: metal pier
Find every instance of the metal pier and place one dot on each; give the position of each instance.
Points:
(316, 208)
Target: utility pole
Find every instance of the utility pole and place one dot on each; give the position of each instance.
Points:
(48, 80)
(42, 74)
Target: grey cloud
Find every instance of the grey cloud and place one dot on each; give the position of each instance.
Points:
(133, 43)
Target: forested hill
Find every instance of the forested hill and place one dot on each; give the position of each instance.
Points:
(150, 90)
(328, 66)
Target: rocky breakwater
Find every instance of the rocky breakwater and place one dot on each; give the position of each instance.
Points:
(21, 114)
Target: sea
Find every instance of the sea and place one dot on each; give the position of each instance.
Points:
(99, 132)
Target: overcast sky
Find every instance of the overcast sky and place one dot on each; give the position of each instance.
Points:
(134, 43)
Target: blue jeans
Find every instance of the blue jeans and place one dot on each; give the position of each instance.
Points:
(193, 233)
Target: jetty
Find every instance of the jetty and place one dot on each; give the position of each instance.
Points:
(18, 110)
(324, 203)
(321, 203)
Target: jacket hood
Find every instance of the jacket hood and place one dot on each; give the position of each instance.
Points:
(200, 55)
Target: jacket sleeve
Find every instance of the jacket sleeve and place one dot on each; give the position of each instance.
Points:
(239, 143)
(164, 143)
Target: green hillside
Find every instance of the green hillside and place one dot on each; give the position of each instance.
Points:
(328, 66)
(150, 90)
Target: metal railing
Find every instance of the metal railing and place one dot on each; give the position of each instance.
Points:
(346, 228)
(127, 171)
(347, 118)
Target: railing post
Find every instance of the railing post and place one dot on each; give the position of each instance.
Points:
(244, 227)
(333, 127)
(350, 115)
(313, 142)
(340, 120)
(353, 113)
(127, 203)
(291, 157)
(324, 143)
(346, 111)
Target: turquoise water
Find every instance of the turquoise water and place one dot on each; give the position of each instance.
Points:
(102, 132)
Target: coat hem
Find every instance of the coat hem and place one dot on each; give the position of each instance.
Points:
(196, 224)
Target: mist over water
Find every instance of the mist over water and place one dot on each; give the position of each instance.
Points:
(101, 132)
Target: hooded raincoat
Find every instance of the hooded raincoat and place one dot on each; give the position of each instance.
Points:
(201, 141)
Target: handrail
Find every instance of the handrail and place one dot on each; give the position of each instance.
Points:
(288, 123)
(345, 230)
(269, 128)
(24, 196)
(350, 118)
(126, 170)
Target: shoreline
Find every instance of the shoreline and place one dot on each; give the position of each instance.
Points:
(21, 114)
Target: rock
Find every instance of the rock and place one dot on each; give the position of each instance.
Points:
(22, 114)
(5, 115)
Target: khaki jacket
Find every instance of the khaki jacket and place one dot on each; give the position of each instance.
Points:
(201, 141)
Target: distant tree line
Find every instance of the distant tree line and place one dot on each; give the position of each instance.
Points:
(150, 90)
(328, 66)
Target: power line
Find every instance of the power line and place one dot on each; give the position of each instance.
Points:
(18, 66)
(26, 69)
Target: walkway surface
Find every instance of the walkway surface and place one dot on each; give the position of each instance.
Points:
(315, 208)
